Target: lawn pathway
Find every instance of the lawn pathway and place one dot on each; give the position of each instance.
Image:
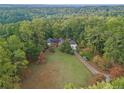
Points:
(59, 69)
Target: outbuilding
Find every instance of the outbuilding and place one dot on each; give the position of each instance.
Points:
(73, 44)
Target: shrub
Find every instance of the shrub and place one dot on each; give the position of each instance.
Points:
(70, 86)
(41, 58)
(87, 54)
(116, 71)
(66, 48)
(118, 83)
(114, 84)
(99, 61)
(81, 53)
(97, 78)
(101, 85)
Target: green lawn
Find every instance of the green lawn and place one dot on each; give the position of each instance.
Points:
(60, 69)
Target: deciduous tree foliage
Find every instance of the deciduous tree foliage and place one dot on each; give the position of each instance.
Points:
(115, 84)
(17, 43)
(24, 32)
(66, 48)
(8, 71)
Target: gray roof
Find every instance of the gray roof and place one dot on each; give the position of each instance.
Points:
(72, 42)
(55, 40)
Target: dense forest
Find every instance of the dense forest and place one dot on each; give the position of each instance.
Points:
(15, 13)
(24, 30)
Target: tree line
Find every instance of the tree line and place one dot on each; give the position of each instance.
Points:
(15, 13)
(22, 42)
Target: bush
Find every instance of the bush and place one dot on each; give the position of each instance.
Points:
(101, 85)
(97, 78)
(118, 83)
(114, 84)
(116, 71)
(99, 61)
(70, 86)
(87, 54)
(66, 48)
(41, 58)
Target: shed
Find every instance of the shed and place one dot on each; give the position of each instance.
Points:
(73, 44)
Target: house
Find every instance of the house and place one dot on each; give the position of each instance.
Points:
(61, 40)
(73, 44)
(49, 41)
(55, 41)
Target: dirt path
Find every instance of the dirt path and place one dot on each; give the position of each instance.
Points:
(92, 69)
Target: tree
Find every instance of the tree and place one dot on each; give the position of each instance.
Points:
(114, 84)
(72, 27)
(39, 30)
(14, 43)
(41, 58)
(16, 51)
(114, 44)
(8, 72)
(66, 48)
(94, 34)
(33, 37)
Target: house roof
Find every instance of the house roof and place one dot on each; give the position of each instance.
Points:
(72, 42)
(49, 40)
(55, 40)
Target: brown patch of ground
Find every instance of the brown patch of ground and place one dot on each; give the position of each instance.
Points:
(43, 78)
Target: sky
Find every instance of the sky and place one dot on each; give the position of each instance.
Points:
(61, 1)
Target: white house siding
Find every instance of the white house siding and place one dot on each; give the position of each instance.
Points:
(74, 46)
(49, 44)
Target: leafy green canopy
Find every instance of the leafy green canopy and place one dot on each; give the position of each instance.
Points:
(115, 84)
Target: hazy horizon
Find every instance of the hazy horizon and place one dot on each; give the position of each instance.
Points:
(57, 5)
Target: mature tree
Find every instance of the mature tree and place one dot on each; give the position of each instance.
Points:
(94, 34)
(8, 71)
(114, 51)
(15, 47)
(114, 44)
(114, 84)
(66, 48)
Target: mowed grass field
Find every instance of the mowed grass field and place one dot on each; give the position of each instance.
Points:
(59, 70)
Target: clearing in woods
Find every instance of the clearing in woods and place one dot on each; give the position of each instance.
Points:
(59, 70)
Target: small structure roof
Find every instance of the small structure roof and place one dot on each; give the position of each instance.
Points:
(72, 42)
(54, 40)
